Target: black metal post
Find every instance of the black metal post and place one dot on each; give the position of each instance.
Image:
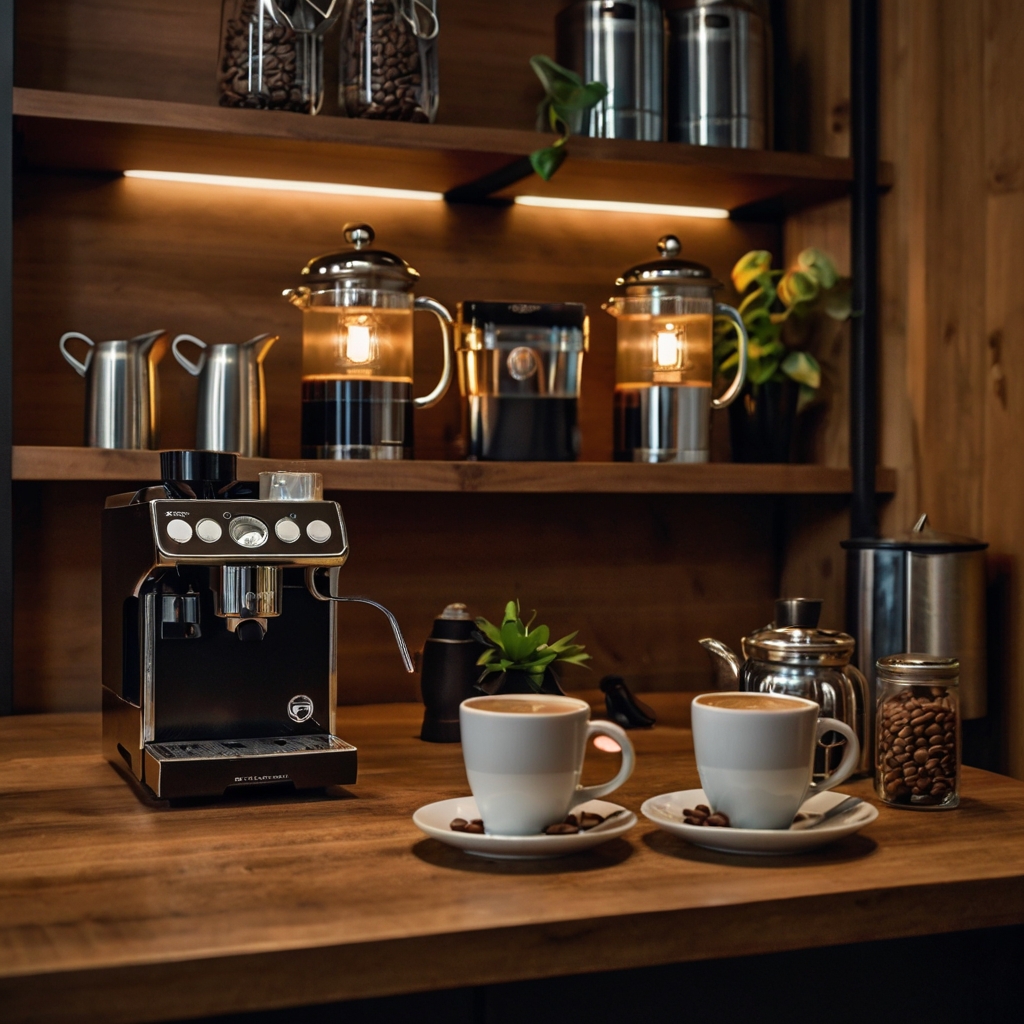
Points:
(864, 260)
(6, 549)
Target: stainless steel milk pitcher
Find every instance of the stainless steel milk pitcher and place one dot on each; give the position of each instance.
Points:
(122, 393)
(232, 411)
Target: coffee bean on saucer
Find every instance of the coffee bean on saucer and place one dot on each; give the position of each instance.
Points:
(589, 820)
(719, 820)
(700, 811)
(570, 819)
(562, 828)
(458, 824)
(475, 827)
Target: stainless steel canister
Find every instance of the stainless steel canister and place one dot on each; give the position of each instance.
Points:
(922, 591)
(719, 72)
(122, 392)
(622, 45)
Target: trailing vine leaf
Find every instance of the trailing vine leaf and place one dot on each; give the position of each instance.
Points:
(546, 161)
(819, 266)
(803, 368)
(749, 268)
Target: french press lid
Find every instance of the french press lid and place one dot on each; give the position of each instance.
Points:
(360, 267)
(669, 270)
(921, 538)
(795, 645)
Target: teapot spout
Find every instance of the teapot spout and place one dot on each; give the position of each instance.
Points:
(724, 662)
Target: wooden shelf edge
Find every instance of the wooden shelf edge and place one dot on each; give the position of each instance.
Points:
(97, 464)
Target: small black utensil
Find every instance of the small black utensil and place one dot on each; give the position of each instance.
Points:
(623, 707)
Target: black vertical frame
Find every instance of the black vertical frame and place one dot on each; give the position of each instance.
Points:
(6, 260)
(864, 252)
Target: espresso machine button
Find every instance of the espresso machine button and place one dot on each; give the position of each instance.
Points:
(287, 530)
(318, 531)
(209, 530)
(178, 530)
(248, 532)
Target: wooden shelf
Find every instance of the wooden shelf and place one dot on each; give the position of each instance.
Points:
(42, 463)
(108, 133)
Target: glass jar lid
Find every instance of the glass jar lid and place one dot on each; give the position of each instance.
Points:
(360, 267)
(797, 645)
(916, 668)
(669, 270)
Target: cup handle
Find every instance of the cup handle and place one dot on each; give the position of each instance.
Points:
(445, 319)
(80, 367)
(585, 793)
(733, 390)
(195, 368)
(850, 759)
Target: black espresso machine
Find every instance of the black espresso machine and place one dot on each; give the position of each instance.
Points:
(219, 635)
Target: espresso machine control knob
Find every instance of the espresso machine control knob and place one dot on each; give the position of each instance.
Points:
(248, 532)
(180, 531)
(318, 531)
(287, 530)
(209, 530)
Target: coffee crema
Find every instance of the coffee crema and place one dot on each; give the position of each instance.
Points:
(526, 706)
(749, 702)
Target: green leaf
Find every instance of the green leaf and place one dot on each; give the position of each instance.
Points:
(489, 630)
(552, 75)
(803, 368)
(819, 266)
(797, 286)
(749, 268)
(513, 643)
(807, 397)
(511, 612)
(838, 301)
(761, 371)
(561, 645)
(542, 633)
(576, 659)
(546, 161)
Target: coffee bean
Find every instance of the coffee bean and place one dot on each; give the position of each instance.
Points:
(458, 824)
(719, 820)
(562, 828)
(590, 820)
(476, 827)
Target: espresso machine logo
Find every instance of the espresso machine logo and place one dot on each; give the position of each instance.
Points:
(300, 708)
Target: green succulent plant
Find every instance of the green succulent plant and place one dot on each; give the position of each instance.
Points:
(565, 95)
(777, 308)
(516, 647)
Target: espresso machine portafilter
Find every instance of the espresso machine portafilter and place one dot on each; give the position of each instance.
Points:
(219, 632)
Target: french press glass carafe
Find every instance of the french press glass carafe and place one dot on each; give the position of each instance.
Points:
(664, 365)
(357, 352)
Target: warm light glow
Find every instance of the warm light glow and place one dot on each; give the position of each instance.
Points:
(666, 350)
(613, 206)
(358, 343)
(279, 185)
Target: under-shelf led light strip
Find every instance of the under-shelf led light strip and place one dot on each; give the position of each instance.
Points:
(375, 192)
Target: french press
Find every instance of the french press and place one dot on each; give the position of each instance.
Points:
(357, 352)
(664, 363)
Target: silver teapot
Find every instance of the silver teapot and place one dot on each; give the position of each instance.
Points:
(804, 662)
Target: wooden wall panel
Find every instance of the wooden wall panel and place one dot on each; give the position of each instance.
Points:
(641, 577)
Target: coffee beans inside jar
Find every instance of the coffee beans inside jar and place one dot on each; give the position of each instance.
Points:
(265, 63)
(918, 731)
(392, 75)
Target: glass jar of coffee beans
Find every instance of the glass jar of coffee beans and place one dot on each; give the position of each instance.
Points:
(918, 731)
(272, 53)
(388, 61)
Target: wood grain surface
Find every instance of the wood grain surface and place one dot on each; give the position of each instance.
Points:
(112, 910)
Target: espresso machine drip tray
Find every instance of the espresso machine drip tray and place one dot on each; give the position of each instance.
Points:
(197, 749)
(189, 768)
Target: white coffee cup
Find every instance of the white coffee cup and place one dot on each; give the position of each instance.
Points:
(524, 761)
(756, 762)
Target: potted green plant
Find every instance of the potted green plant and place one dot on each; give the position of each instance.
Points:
(519, 658)
(782, 311)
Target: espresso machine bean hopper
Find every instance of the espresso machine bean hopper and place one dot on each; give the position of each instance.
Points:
(219, 633)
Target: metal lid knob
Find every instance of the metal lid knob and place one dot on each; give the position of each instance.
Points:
(669, 246)
(359, 235)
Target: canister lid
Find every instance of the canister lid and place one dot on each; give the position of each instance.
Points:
(523, 314)
(670, 269)
(796, 645)
(916, 667)
(360, 267)
(920, 538)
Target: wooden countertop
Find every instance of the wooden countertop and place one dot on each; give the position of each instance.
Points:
(117, 911)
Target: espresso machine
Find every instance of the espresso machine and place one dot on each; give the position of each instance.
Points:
(219, 633)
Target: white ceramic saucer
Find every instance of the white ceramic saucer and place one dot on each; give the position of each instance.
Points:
(666, 811)
(435, 819)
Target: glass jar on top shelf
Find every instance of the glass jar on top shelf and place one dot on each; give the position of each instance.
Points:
(918, 731)
(388, 61)
(272, 53)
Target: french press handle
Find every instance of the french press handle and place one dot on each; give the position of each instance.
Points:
(733, 390)
(446, 322)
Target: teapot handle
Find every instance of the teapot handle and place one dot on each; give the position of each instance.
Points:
(80, 367)
(445, 319)
(195, 368)
(733, 390)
